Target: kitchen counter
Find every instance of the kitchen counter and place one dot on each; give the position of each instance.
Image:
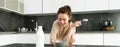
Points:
(47, 32)
(92, 31)
(48, 45)
(15, 32)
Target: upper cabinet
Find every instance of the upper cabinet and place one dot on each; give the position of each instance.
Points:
(1, 3)
(21, 6)
(76, 5)
(33, 6)
(93, 5)
(51, 6)
(114, 4)
(10, 5)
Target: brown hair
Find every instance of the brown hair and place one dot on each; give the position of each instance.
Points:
(65, 9)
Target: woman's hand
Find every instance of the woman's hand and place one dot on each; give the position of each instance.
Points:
(77, 23)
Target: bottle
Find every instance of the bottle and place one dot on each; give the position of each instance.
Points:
(40, 37)
(19, 29)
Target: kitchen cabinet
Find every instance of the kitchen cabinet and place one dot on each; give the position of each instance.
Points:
(76, 5)
(11, 4)
(1, 3)
(89, 39)
(51, 6)
(94, 5)
(7, 39)
(83, 39)
(26, 38)
(21, 6)
(114, 4)
(112, 39)
(33, 6)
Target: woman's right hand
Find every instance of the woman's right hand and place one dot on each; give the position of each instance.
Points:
(77, 23)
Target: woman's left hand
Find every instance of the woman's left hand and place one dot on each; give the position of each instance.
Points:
(77, 23)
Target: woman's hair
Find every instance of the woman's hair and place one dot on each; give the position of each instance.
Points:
(65, 9)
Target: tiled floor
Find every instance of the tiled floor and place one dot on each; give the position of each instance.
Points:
(48, 45)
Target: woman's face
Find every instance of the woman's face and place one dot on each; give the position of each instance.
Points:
(63, 19)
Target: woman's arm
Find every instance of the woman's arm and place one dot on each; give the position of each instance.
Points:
(77, 23)
(53, 33)
(69, 38)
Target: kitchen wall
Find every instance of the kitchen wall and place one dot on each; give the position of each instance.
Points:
(9, 21)
(94, 23)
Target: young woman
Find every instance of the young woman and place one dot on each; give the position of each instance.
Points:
(63, 28)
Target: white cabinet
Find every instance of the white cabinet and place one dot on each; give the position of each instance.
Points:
(112, 39)
(51, 6)
(26, 38)
(1, 3)
(76, 5)
(7, 39)
(83, 39)
(21, 6)
(32, 6)
(11, 4)
(114, 4)
(89, 39)
(93, 5)
(47, 39)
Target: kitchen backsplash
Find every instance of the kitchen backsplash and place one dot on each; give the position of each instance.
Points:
(94, 23)
(9, 21)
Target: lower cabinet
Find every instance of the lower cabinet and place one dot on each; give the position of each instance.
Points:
(26, 38)
(89, 39)
(7, 39)
(112, 39)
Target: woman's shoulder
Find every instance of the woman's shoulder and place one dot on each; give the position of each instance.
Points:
(55, 23)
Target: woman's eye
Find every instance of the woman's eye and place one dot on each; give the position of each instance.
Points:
(59, 19)
(64, 19)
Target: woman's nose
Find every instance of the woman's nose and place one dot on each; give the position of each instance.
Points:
(62, 22)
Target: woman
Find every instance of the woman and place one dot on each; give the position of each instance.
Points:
(63, 29)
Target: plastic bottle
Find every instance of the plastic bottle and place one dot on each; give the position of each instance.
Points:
(40, 37)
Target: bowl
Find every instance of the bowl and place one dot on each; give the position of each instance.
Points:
(61, 44)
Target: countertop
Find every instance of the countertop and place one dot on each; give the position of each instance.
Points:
(48, 45)
(15, 32)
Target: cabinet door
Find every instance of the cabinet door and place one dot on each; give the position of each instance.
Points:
(76, 5)
(114, 4)
(7, 39)
(51, 6)
(21, 6)
(89, 38)
(32, 6)
(26, 38)
(1, 3)
(93, 5)
(12, 4)
(112, 39)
